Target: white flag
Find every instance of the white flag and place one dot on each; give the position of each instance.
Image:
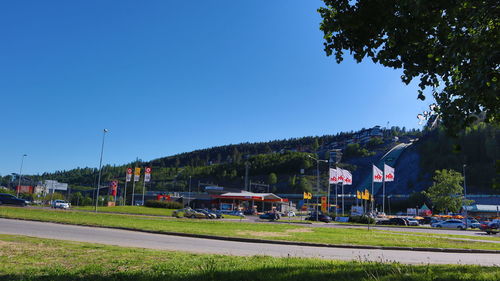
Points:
(340, 176)
(147, 174)
(378, 176)
(347, 177)
(129, 174)
(388, 173)
(333, 176)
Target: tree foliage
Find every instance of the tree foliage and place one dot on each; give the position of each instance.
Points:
(451, 46)
(446, 194)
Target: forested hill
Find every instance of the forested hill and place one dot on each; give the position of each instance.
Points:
(280, 163)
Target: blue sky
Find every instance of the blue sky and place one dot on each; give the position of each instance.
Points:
(172, 76)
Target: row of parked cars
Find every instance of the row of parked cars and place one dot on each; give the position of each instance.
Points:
(204, 213)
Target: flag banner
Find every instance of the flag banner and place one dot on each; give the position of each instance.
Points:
(340, 176)
(347, 177)
(128, 177)
(378, 176)
(309, 195)
(113, 188)
(371, 197)
(333, 176)
(324, 204)
(137, 174)
(147, 174)
(366, 195)
(358, 194)
(388, 173)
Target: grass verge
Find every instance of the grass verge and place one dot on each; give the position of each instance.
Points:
(136, 210)
(34, 259)
(284, 232)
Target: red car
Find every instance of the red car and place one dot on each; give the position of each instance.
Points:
(490, 227)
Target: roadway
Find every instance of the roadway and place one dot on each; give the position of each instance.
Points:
(196, 245)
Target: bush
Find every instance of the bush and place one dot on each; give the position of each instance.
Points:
(361, 219)
(163, 204)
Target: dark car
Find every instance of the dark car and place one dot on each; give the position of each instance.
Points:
(490, 227)
(11, 200)
(397, 221)
(319, 217)
(270, 216)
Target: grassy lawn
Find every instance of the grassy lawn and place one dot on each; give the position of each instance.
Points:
(25, 258)
(139, 210)
(286, 232)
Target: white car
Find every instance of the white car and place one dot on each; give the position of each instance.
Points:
(453, 223)
(412, 222)
(60, 204)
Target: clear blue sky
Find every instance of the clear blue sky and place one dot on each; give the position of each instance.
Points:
(172, 76)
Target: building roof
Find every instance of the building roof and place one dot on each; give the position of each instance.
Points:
(251, 195)
(482, 208)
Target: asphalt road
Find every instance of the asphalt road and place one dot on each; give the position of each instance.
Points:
(196, 245)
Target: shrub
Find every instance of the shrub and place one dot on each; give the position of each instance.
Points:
(163, 204)
(362, 219)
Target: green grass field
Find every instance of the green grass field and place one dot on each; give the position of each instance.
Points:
(30, 259)
(287, 232)
(139, 210)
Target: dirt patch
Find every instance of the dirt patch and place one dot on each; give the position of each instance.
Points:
(299, 230)
(262, 233)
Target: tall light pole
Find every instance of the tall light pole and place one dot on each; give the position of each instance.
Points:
(100, 167)
(317, 179)
(465, 197)
(20, 174)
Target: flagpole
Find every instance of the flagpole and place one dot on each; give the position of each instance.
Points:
(125, 194)
(383, 192)
(336, 199)
(372, 195)
(342, 197)
(133, 190)
(143, 190)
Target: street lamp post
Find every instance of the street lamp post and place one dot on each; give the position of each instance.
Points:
(189, 193)
(465, 197)
(20, 174)
(317, 179)
(100, 168)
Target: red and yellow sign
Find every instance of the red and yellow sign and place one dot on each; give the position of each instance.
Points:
(324, 206)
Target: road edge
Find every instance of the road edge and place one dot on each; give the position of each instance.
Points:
(280, 242)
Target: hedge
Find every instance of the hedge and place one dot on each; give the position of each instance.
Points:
(163, 204)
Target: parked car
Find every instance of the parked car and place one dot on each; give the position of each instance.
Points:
(60, 204)
(188, 213)
(472, 223)
(452, 223)
(397, 221)
(270, 216)
(9, 199)
(412, 221)
(179, 213)
(236, 213)
(208, 214)
(490, 227)
(319, 217)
